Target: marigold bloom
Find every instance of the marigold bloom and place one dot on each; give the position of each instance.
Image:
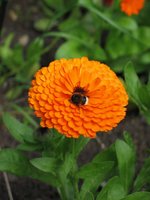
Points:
(78, 97)
(132, 6)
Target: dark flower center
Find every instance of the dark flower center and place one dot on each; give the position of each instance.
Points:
(78, 97)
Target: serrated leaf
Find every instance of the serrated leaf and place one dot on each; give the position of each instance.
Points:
(19, 131)
(113, 190)
(126, 163)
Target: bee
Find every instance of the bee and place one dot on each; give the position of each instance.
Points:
(79, 99)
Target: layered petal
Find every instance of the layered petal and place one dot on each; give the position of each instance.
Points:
(102, 97)
(131, 7)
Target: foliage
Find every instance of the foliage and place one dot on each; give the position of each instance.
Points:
(57, 165)
(101, 32)
(138, 92)
(18, 66)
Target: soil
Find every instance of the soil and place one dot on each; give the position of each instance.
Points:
(18, 19)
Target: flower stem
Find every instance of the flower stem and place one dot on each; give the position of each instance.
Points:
(64, 190)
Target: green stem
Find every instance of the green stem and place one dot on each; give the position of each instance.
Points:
(75, 168)
(76, 189)
(69, 183)
(64, 191)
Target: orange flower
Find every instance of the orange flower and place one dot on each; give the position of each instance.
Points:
(78, 97)
(132, 6)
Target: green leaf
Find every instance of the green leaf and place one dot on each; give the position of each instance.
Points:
(126, 163)
(146, 115)
(79, 144)
(91, 7)
(132, 83)
(89, 196)
(71, 49)
(117, 50)
(19, 131)
(138, 196)
(13, 93)
(143, 35)
(43, 24)
(13, 161)
(138, 93)
(98, 53)
(118, 65)
(127, 23)
(71, 23)
(145, 58)
(45, 164)
(30, 147)
(55, 4)
(67, 164)
(34, 49)
(144, 96)
(94, 174)
(93, 169)
(5, 50)
(113, 190)
(67, 36)
(108, 154)
(143, 177)
(26, 115)
(128, 139)
(33, 63)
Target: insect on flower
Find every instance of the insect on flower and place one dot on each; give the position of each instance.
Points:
(78, 97)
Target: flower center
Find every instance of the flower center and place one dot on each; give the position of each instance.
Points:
(78, 97)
